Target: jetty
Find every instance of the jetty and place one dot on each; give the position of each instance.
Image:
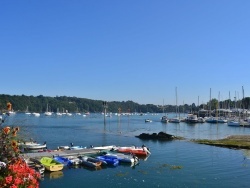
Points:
(49, 153)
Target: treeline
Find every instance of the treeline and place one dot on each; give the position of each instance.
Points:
(21, 103)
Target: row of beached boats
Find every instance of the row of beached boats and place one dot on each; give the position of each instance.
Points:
(104, 156)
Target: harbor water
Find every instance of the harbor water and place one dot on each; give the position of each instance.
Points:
(179, 163)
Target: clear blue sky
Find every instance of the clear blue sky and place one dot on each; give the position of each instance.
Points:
(137, 50)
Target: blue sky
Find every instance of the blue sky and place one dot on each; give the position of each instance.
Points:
(126, 50)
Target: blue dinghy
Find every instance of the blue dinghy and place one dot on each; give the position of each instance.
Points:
(63, 160)
(109, 160)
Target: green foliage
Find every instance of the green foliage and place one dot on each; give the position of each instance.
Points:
(74, 104)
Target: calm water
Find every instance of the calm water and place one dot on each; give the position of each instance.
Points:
(201, 165)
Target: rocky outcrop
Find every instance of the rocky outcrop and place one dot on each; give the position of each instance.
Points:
(155, 136)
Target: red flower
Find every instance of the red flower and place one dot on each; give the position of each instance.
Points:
(17, 181)
(8, 179)
(17, 173)
(6, 130)
(13, 186)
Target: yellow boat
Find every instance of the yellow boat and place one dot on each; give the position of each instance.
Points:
(50, 164)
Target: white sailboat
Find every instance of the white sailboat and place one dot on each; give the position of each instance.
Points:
(176, 119)
(47, 113)
(27, 111)
(234, 122)
(36, 114)
(164, 119)
(58, 113)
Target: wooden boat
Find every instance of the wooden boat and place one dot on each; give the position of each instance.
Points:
(109, 160)
(90, 162)
(50, 164)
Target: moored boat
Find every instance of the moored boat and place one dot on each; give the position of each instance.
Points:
(103, 147)
(50, 164)
(123, 158)
(90, 162)
(32, 146)
(137, 152)
(63, 147)
(233, 123)
(191, 118)
(148, 120)
(109, 160)
(72, 147)
(62, 160)
(164, 119)
(73, 160)
(175, 120)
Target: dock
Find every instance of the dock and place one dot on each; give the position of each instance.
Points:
(62, 153)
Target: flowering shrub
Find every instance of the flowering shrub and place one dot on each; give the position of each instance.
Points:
(18, 175)
(14, 172)
(8, 144)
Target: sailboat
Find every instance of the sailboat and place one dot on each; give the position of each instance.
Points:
(234, 122)
(176, 119)
(77, 112)
(47, 113)
(58, 112)
(219, 118)
(211, 119)
(27, 111)
(164, 119)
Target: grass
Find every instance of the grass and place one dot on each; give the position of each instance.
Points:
(236, 142)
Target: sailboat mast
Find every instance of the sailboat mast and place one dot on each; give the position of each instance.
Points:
(198, 108)
(210, 104)
(176, 99)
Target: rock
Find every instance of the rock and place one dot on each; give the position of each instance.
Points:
(155, 136)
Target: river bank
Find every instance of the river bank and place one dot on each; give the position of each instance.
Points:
(234, 142)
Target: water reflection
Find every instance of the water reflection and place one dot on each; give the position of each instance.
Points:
(55, 175)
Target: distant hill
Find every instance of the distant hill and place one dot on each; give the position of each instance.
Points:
(74, 104)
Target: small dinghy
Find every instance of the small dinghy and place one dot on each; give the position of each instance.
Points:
(72, 147)
(138, 151)
(50, 164)
(62, 160)
(68, 161)
(90, 162)
(63, 147)
(123, 158)
(103, 147)
(109, 160)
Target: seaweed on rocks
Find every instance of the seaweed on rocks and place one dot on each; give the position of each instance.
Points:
(158, 136)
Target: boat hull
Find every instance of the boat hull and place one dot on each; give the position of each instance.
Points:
(50, 164)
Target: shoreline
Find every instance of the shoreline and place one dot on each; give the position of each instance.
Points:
(232, 142)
